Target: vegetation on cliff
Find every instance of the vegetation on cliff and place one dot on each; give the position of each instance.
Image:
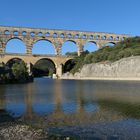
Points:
(128, 47)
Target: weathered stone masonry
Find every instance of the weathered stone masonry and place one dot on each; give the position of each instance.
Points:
(57, 37)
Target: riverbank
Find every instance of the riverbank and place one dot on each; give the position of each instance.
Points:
(15, 131)
(20, 131)
(29, 79)
(124, 69)
(97, 78)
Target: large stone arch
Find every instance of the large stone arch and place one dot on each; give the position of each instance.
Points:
(14, 58)
(66, 63)
(15, 37)
(40, 66)
(69, 41)
(45, 58)
(8, 58)
(12, 39)
(109, 43)
(44, 39)
(91, 42)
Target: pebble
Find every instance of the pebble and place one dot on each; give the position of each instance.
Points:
(19, 132)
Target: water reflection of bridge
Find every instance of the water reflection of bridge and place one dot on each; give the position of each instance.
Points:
(79, 113)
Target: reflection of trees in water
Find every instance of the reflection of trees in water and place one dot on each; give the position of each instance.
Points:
(5, 116)
(127, 109)
(108, 109)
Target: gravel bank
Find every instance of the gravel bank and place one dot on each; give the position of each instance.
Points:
(13, 131)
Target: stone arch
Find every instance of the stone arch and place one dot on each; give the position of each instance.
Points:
(110, 44)
(13, 43)
(91, 46)
(24, 33)
(44, 67)
(7, 32)
(117, 38)
(68, 65)
(110, 38)
(69, 46)
(47, 34)
(15, 33)
(62, 35)
(14, 59)
(55, 35)
(91, 37)
(97, 37)
(69, 35)
(76, 36)
(32, 34)
(40, 34)
(45, 42)
(104, 37)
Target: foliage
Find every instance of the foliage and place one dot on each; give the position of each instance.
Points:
(43, 67)
(18, 73)
(126, 48)
(71, 53)
(19, 70)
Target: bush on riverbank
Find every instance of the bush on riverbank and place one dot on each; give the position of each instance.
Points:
(18, 73)
(128, 47)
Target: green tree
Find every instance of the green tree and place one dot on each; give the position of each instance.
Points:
(19, 70)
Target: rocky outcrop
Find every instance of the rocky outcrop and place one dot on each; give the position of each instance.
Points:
(126, 68)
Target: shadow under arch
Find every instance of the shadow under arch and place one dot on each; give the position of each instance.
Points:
(91, 46)
(69, 47)
(44, 67)
(12, 61)
(69, 65)
(43, 46)
(15, 45)
(110, 44)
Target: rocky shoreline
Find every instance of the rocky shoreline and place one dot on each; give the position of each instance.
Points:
(15, 131)
(123, 69)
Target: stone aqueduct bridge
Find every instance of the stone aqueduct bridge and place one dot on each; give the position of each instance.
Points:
(57, 37)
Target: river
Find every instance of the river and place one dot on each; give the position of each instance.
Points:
(81, 108)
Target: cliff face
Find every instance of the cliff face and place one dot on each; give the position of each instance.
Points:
(126, 68)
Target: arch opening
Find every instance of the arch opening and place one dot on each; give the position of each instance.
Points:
(62, 35)
(47, 34)
(44, 67)
(90, 46)
(69, 36)
(44, 47)
(55, 35)
(7, 32)
(15, 33)
(16, 70)
(40, 34)
(12, 61)
(15, 45)
(32, 34)
(24, 33)
(109, 44)
(69, 48)
(76, 36)
(69, 65)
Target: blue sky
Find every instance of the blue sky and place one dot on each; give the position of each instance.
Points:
(115, 16)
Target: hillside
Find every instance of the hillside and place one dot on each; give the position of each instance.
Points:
(128, 47)
(123, 69)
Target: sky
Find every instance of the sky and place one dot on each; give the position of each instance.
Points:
(114, 16)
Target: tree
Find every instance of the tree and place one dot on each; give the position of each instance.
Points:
(19, 70)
